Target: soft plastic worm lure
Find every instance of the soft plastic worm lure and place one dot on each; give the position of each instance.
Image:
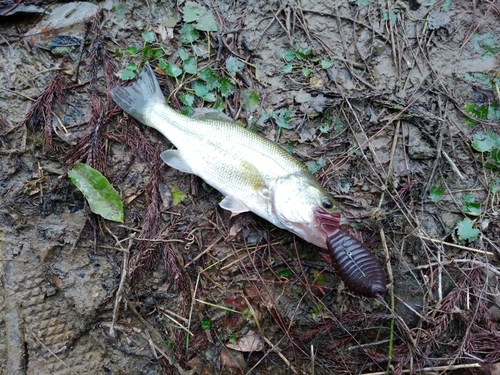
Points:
(356, 266)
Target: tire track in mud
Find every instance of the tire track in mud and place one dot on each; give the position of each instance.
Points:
(41, 323)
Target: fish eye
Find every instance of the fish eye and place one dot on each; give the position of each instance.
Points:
(326, 203)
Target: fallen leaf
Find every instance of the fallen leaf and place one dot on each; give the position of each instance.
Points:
(251, 342)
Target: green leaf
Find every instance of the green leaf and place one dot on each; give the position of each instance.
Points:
(200, 89)
(315, 166)
(287, 68)
(177, 195)
(250, 101)
(481, 143)
(172, 70)
(325, 64)
(102, 197)
(183, 54)
(188, 34)
(465, 230)
(283, 117)
(187, 99)
(302, 53)
(289, 55)
(127, 75)
(209, 77)
(471, 207)
(285, 273)
(493, 160)
(192, 11)
(190, 65)
(306, 72)
(205, 323)
(495, 186)
(206, 23)
(436, 191)
(131, 50)
(226, 86)
(149, 37)
(234, 65)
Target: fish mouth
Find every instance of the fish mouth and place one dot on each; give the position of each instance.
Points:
(327, 221)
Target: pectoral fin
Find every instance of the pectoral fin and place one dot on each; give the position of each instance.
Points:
(234, 205)
(174, 159)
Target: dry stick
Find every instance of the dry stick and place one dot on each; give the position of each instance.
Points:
(126, 254)
(455, 245)
(391, 162)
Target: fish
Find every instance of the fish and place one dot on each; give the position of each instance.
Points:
(253, 173)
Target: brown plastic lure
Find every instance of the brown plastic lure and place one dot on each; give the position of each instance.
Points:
(356, 266)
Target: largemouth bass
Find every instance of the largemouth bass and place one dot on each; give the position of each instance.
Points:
(253, 173)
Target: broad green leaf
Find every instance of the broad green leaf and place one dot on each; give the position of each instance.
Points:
(471, 207)
(131, 50)
(200, 89)
(183, 54)
(206, 23)
(436, 192)
(127, 75)
(102, 197)
(493, 160)
(177, 195)
(188, 34)
(287, 68)
(465, 230)
(495, 186)
(289, 55)
(209, 77)
(149, 37)
(192, 11)
(482, 142)
(283, 117)
(303, 52)
(226, 86)
(306, 72)
(234, 65)
(190, 65)
(315, 166)
(250, 101)
(172, 70)
(187, 99)
(325, 64)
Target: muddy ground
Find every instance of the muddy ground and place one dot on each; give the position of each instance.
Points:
(370, 94)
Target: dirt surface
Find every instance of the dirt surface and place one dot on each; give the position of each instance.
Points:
(371, 95)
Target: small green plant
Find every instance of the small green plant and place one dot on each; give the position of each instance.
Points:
(486, 43)
(285, 273)
(470, 206)
(436, 191)
(466, 231)
(206, 323)
(299, 56)
(489, 112)
(489, 145)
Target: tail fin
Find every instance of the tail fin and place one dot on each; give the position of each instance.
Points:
(138, 99)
